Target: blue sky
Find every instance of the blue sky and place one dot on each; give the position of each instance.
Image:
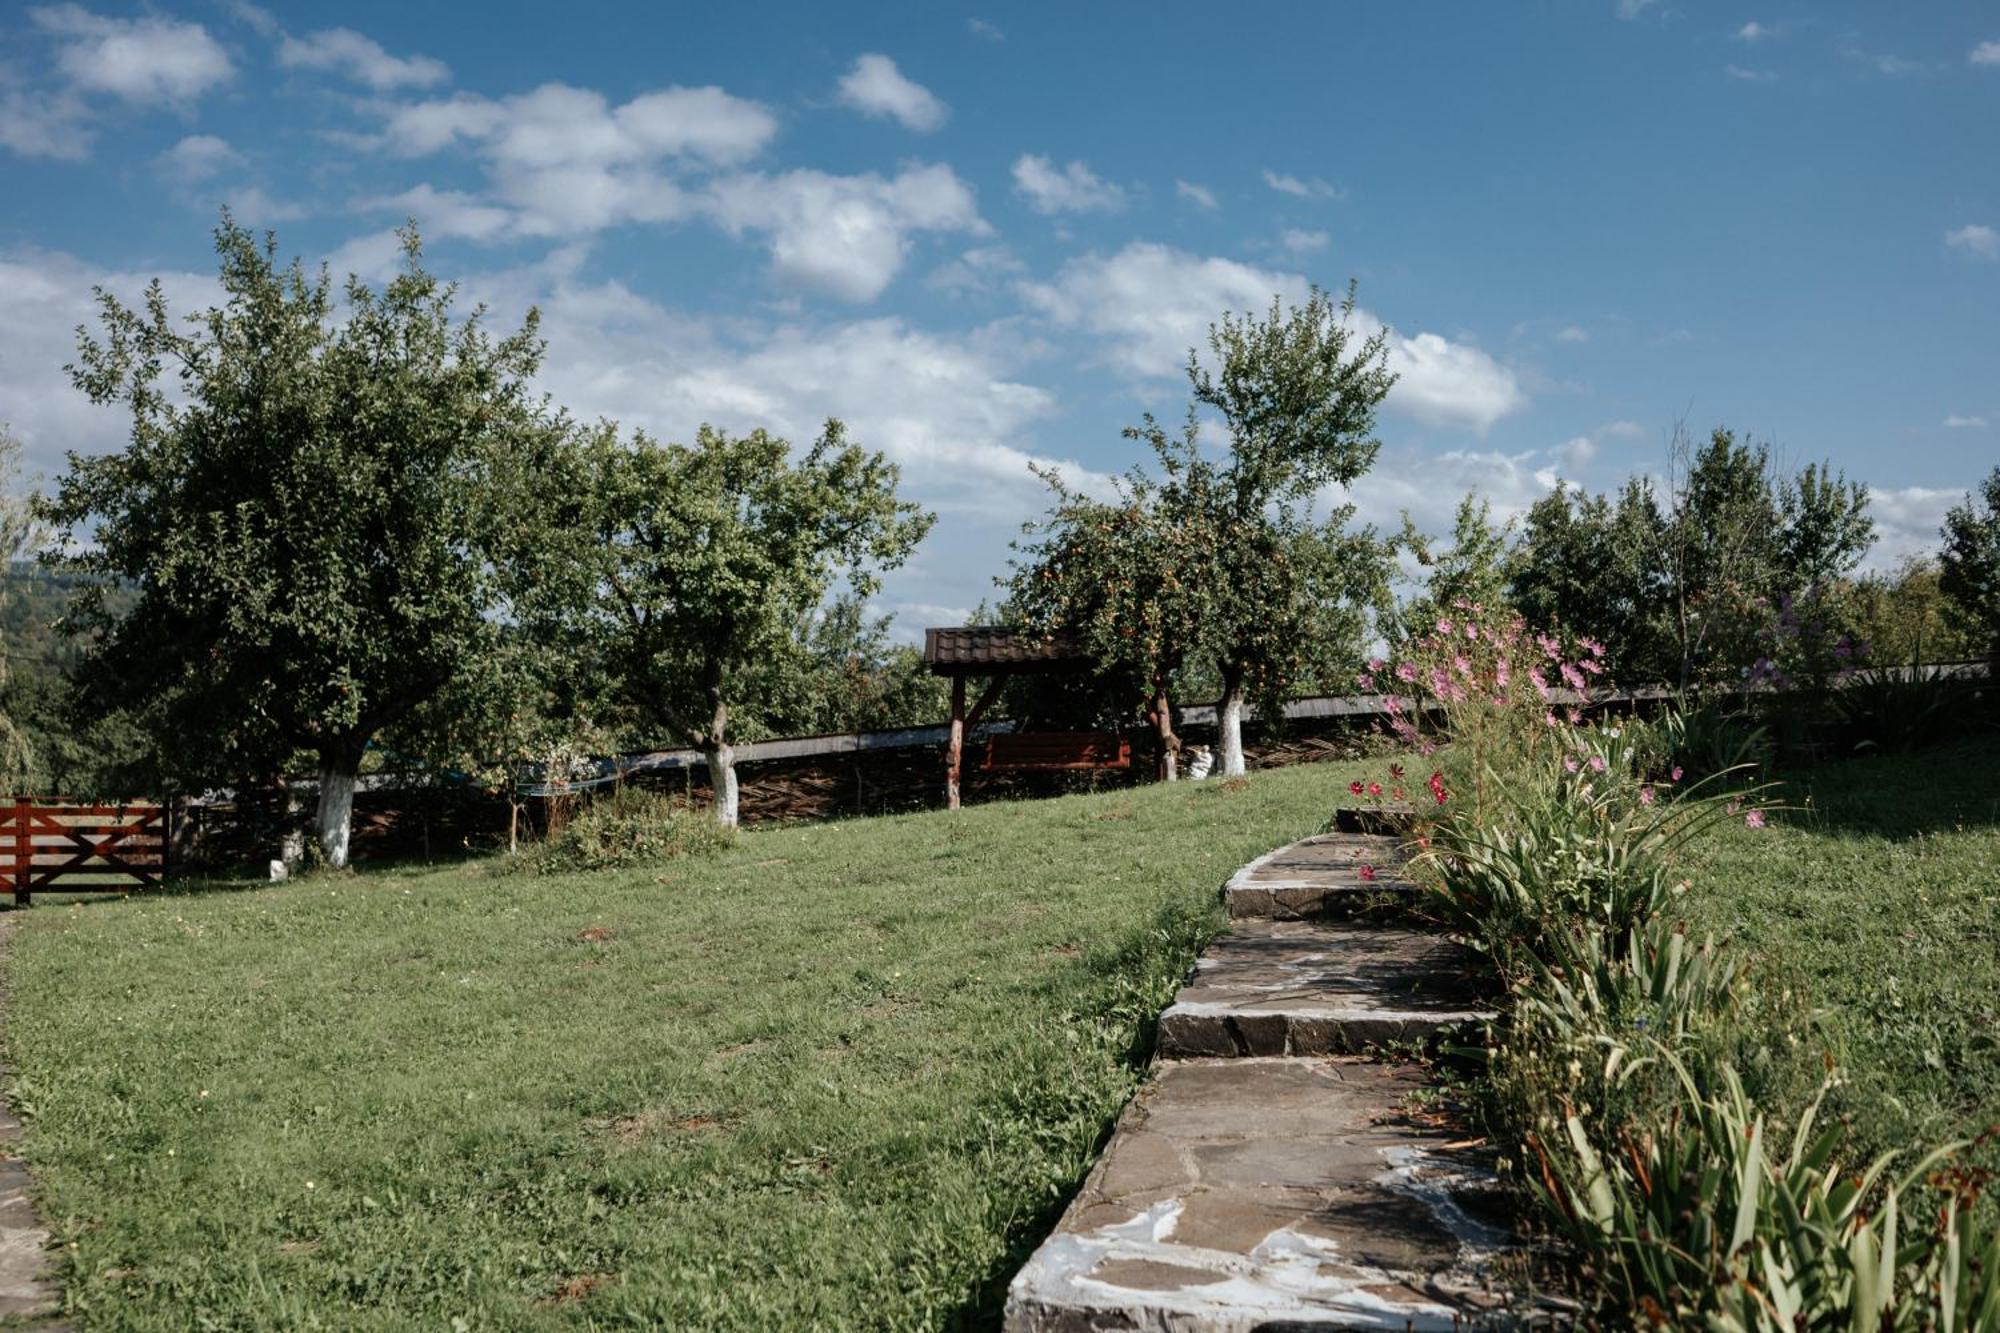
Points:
(986, 237)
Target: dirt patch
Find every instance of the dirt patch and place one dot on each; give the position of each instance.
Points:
(630, 1131)
(596, 935)
(576, 1289)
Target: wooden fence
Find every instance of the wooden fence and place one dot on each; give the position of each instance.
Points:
(69, 848)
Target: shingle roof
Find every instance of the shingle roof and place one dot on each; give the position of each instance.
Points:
(977, 649)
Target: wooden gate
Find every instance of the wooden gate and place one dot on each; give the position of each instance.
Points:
(65, 848)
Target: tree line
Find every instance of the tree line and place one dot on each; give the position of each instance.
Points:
(344, 518)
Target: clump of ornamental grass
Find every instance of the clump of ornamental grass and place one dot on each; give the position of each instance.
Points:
(1553, 848)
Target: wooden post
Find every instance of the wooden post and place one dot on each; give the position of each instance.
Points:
(24, 853)
(954, 746)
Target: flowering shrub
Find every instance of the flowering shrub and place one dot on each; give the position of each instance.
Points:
(1496, 691)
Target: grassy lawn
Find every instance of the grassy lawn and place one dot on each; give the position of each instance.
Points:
(841, 1075)
(1878, 904)
(838, 1076)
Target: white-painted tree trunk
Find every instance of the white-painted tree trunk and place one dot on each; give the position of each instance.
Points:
(722, 781)
(1229, 724)
(334, 816)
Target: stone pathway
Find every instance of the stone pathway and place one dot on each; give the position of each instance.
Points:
(1271, 1175)
(27, 1292)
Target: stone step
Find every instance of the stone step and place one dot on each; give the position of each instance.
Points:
(1272, 1194)
(1321, 988)
(1318, 876)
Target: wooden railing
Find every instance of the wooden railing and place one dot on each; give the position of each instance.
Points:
(61, 847)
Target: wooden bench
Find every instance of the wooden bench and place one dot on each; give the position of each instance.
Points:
(1055, 750)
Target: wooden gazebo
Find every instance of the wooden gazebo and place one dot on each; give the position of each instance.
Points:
(995, 653)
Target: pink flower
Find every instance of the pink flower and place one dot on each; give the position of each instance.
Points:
(1368, 872)
(1462, 664)
(1675, 776)
(1376, 664)
(1570, 766)
(1444, 626)
(1367, 681)
(1395, 770)
(1502, 673)
(1575, 718)
(1645, 796)
(1755, 819)
(1573, 678)
(1597, 763)
(1551, 719)
(1550, 648)
(1374, 789)
(1439, 681)
(1592, 646)
(1406, 671)
(1472, 631)
(1540, 682)
(1355, 787)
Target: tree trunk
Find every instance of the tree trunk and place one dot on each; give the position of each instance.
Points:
(1163, 723)
(333, 819)
(1229, 722)
(722, 782)
(721, 758)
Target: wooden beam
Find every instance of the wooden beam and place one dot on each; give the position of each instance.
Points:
(954, 745)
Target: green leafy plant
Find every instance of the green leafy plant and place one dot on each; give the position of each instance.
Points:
(629, 827)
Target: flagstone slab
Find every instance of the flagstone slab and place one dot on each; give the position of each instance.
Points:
(1273, 1193)
(1299, 988)
(1318, 876)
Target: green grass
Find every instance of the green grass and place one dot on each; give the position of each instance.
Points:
(1875, 904)
(838, 1076)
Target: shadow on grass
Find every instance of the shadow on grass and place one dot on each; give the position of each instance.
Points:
(1933, 790)
(245, 879)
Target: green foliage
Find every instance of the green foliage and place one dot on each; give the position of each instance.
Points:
(1220, 566)
(305, 513)
(678, 575)
(1899, 709)
(1971, 559)
(1616, 1071)
(627, 828)
(1471, 572)
(1904, 616)
(1591, 563)
(17, 531)
(845, 675)
(1679, 586)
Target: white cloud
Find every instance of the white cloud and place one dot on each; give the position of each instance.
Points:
(1957, 422)
(1975, 239)
(1073, 189)
(1299, 241)
(1744, 75)
(1631, 9)
(47, 296)
(198, 157)
(1907, 520)
(1573, 333)
(144, 60)
(1429, 486)
(1199, 195)
(40, 123)
(875, 87)
(253, 206)
(1986, 53)
(1152, 303)
(362, 59)
(1756, 32)
(846, 236)
(977, 271)
(1896, 66)
(1623, 430)
(1575, 454)
(1298, 188)
(569, 162)
(442, 213)
(980, 28)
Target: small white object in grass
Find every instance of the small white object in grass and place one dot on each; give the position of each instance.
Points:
(280, 872)
(1201, 762)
